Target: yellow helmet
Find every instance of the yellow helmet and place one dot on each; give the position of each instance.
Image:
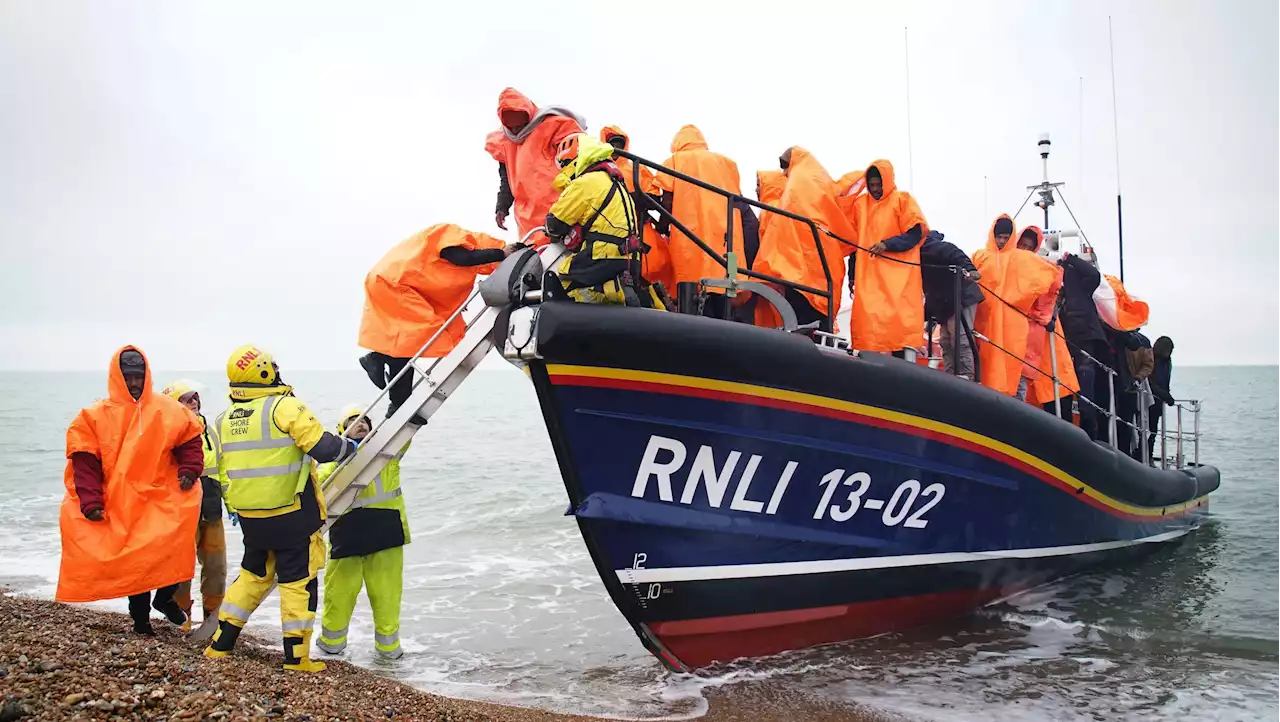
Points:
(180, 388)
(350, 413)
(251, 365)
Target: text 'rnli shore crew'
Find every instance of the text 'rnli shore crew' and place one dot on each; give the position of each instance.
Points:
(269, 438)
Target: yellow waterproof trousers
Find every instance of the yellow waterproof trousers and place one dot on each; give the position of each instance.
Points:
(211, 551)
(295, 570)
(382, 575)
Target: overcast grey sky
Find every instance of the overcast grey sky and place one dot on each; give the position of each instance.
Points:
(190, 178)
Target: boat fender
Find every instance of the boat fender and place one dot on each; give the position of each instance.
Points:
(507, 284)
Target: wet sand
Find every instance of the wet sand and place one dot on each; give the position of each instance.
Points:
(63, 662)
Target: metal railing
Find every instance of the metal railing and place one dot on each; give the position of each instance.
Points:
(1141, 435)
(1181, 436)
(411, 367)
(729, 261)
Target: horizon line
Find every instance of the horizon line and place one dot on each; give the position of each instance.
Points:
(491, 368)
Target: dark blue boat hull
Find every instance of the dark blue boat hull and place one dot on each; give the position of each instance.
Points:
(734, 518)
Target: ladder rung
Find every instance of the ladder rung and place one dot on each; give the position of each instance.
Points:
(388, 439)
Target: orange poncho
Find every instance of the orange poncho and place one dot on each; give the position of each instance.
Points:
(702, 211)
(146, 539)
(530, 157)
(1012, 279)
(1117, 308)
(787, 248)
(412, 291)
(769, 187)
(848, 187)
(1036, 368)
(888, 298)
(647, 184)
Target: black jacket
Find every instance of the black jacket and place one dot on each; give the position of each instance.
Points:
(939, 283)
(1160, 379)
(749, 244)
(1079, 315)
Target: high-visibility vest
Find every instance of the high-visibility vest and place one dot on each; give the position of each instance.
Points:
(383, 492)
(210, 441)
(265, 469)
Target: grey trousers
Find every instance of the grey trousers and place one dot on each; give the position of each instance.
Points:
(946, 337)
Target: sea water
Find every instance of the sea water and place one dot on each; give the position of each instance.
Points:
(502, 603)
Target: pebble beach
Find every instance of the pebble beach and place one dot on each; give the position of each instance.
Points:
(62, 662)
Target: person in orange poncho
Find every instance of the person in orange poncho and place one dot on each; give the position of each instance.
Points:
(1037, 368)
(1012, 280)
(769, 187)
(657, 261)
(616, 137)
(888, 297)
(525, 148)
(848, 187)
(788, 250)
(701, 211)
(410, 294)
(130, 512)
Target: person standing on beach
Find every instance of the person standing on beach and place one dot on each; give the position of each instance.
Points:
(366, 548)
(267, 436)
(211, 538)
(130, 511)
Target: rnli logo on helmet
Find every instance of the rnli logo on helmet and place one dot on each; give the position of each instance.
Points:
(243, 362)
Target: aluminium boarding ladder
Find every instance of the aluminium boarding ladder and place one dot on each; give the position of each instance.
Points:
(440, 377)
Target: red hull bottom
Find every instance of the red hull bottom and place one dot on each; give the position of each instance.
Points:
(699, 642)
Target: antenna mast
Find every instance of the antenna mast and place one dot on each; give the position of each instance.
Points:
(1081, 128)
(1115, 121)
(1044, 187)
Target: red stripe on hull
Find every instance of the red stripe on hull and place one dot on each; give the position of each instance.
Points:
(716, 395)
(699, 642)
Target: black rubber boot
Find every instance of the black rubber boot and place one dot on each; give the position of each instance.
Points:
(172, 612)
(140, 613)
(375, 368)
(224, 640)
(168, 606)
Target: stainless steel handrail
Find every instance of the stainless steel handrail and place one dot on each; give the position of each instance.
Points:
(412, 364)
